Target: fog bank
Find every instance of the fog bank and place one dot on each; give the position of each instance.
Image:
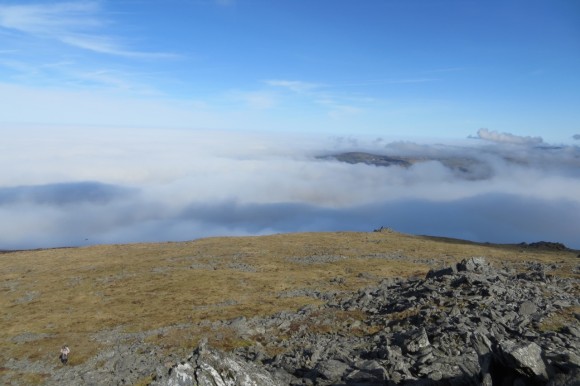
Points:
(66, 187)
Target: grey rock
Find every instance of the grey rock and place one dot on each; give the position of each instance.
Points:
(567, 379)
(182, 374)
(565, 361)
(525, 358)
(483, 347)
(209, 367)
(527, 308)
(417, 341)
(367, 377)
(332, 369)
(572, 330)
(473, 264)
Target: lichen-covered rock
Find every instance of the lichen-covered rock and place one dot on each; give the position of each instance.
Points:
(209, 367)
(182, 374)
(417, 341)
(524, 357)
(473, 264)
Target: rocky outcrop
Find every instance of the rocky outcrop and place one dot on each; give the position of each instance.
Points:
(208, 367)
(467, 324)
(470, 324)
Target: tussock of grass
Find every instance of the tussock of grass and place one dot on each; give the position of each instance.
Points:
(68, 296)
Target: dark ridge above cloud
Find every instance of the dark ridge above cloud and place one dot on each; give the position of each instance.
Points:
(462, 167)
(62, 194)
(469, 161)
(576, 137)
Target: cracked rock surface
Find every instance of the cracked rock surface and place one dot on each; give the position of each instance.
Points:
(469, 324)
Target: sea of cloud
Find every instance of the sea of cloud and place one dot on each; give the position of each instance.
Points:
(70, 187)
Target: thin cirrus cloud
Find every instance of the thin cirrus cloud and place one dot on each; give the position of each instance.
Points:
(75, 24)
(99, 187)
(50, 19)
(303, 87)
(370, 82)
(293, 85)
(337, 105)
(107, 45)
(257, 100)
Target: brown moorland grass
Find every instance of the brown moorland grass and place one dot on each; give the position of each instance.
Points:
(70, 296)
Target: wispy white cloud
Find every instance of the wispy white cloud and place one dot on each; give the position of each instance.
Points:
(50, 19)
(386, 81)
(302, 87)
(70, 46)
(293, 85)
(76, 24)
(338, 97)
(259, 100)
(338, 109)
(341, 111)
(119, 81)
(74, 75)
(109, 46)
(337, 105)
(19, 66)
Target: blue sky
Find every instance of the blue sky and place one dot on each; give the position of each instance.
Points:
(437, 69)
(149, 120)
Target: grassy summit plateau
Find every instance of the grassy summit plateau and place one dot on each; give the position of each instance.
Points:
(162, 293)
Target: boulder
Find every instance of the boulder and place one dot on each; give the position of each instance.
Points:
(210, 367)
(523, 357)
(417, 341)
(473, 264)
(470, 324)
(332, 369)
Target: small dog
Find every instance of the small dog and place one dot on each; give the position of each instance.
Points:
(64, 351)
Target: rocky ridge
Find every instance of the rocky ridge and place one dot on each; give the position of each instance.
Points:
(468, 324)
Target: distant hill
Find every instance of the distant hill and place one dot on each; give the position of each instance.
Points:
(464, 167)
(372, 159)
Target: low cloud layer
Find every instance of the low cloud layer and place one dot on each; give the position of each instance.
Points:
(495, 136)
(63, 194)
(76, 187)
